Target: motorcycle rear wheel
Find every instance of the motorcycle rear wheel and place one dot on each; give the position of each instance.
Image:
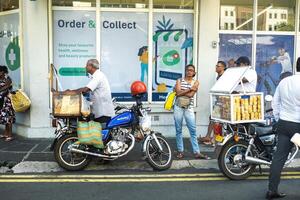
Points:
(157, 159)
(67, 159)
(233, 154)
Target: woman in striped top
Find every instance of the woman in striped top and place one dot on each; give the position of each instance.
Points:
(186, 87)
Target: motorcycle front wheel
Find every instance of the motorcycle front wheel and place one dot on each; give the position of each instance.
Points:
(159, 159)
(67, 159)
(232, 162)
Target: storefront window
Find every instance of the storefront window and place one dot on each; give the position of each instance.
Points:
(9, 46)
(174, 4)
(236, 15)
(9, 5)
(274, 60)
(79, 3)
(124, 50)
(276, 15)
(74, 42)
(125, 3)
(173, 50)
(232, 46)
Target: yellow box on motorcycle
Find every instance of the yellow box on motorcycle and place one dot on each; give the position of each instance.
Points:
(89, 133)
(69, 105)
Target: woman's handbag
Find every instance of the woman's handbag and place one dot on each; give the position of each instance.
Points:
(20, 101)
(90, 133)
(183, 101)
(170, 99)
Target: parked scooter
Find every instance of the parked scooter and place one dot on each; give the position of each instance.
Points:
(119, 136)
(246, 146)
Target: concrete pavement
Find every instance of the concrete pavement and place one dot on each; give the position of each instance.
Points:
(34, 155)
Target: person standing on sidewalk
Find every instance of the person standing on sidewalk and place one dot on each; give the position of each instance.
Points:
(7, 113)
(185, 89)
(220, 69)
(286, 110)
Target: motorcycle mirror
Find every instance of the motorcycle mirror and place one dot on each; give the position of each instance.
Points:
(268, 98)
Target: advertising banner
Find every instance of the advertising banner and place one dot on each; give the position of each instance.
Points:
(274, 60)
(124, 51)
(9, 47)
(173, 50)
(232, 46)
(74, 42)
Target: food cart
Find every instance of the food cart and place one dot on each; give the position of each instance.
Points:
(235, 108)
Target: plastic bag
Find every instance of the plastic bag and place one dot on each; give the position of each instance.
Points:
(85, 106)
(90, 133)
(170, 99)
(20, 101)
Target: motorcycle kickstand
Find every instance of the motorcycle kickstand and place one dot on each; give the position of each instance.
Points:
(260, 170)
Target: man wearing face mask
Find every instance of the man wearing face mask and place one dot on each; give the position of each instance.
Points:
(102, 106)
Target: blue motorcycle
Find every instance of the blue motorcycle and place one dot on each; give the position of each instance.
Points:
(119, 136)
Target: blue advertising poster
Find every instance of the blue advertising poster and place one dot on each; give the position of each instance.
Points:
(233, 46)
(274, 59)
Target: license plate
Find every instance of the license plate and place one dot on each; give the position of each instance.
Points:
(219, 138)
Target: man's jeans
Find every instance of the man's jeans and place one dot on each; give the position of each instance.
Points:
(189, 117)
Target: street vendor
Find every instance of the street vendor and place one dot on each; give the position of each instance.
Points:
(102, 106)
(250, 77)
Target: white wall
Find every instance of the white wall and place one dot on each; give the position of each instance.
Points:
(207, 58)
(35, 123)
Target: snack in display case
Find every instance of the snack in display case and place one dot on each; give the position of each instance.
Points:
(237, 108)
(247, 107)
(221, 107)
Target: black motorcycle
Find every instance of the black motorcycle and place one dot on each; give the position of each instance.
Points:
(247, 146)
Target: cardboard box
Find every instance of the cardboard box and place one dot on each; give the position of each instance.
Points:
(66, 105)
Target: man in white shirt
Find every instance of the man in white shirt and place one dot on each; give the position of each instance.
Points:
(286, 109)
(250, 78)
(102, 106)
(285, 61)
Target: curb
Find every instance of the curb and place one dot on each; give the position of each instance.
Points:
(46, 167)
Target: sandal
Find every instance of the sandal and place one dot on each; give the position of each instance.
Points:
(179, 155)
(203, 139)
(8, 139)
(201, 156)
(3, 136)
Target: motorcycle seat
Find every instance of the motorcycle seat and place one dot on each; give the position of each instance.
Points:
(261, 129)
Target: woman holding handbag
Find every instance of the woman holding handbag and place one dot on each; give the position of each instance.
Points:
(7, 113)
(185, 89)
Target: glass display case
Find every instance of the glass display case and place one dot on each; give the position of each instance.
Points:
(237, 108)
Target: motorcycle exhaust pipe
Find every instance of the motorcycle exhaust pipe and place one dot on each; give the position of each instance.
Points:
(74, 150)
(253, 160)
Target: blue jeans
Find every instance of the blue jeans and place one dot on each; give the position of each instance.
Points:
(190, 120)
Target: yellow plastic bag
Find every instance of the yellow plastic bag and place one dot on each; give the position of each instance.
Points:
(20, 101)
(170, 101)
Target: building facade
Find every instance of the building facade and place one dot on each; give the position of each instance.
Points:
(147, 40)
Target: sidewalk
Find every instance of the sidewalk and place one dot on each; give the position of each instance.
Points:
(24, 155)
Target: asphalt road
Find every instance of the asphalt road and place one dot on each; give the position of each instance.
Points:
(140, 185)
